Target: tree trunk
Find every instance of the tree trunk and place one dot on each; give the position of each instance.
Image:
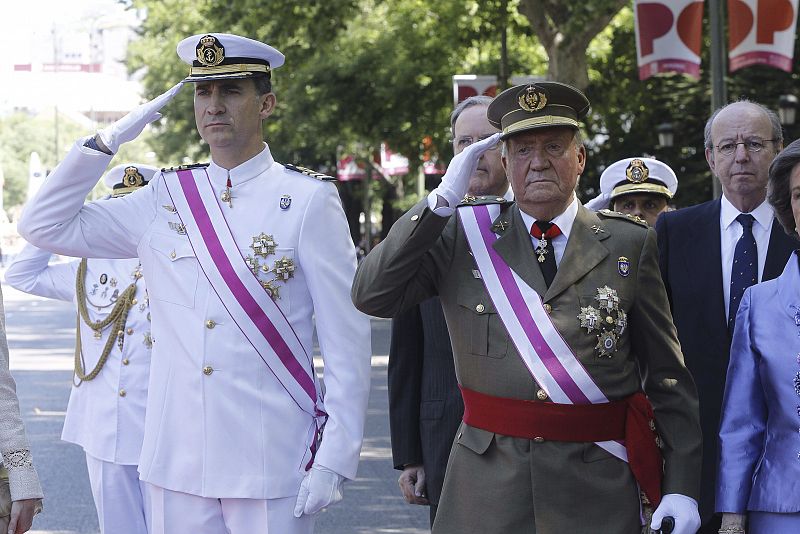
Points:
(565, 29)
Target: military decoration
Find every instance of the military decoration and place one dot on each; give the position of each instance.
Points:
(541, 249)
(607, 321)
(263, 245)
(285, 202)
(589, 318)
(606, 344)
(148, 340)
(500, 226)
(103, 278)
(282, 269)
(178, 228)
(623, 266)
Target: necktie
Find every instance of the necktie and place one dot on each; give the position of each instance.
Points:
(744, 271)
(545, 254)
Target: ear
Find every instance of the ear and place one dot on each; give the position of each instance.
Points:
(710, 159)
(268, 103)
(581, 158)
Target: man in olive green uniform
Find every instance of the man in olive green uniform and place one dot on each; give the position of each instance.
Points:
(598, 277)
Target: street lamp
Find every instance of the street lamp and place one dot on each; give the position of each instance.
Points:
(666, 134)
(787, 109)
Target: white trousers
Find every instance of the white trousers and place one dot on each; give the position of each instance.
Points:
(173, 512)
(118, 496)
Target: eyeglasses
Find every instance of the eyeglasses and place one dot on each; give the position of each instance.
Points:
(755, 144)
(464, 142)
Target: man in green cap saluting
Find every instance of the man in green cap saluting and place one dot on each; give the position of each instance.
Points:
(566, 355)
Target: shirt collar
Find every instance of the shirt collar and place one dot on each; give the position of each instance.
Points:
(564, 221)
(728, 212)
(244, 171)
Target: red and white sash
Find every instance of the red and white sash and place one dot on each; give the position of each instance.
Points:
(253, 311)
(547, 356)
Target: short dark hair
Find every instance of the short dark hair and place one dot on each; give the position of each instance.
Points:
(480, 100)
(263, 84)
(777, 131)
(779, 191)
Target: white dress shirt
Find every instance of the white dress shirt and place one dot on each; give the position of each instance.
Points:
(730, 232)
(564, 222)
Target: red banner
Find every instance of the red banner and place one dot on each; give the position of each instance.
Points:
(668, 37)
(762, 32)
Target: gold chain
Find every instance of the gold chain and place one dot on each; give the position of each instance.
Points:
(117, 318)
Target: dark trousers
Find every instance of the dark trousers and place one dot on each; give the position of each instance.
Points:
(433, 508)
(712, 525)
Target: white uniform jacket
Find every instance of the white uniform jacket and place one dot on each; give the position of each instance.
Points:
(219, 424)
(105, 416)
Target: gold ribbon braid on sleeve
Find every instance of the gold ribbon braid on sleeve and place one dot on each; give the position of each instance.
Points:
(117, 318)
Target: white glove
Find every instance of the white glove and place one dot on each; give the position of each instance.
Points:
(131, 125)
(455, 181)
(321, 487)
(601, 201)
(682, 508)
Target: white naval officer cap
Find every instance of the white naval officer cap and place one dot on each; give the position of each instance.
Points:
(220, 56)
(634, 175)
(128, 177)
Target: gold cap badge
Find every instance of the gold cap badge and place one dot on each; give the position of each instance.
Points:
(132, 178)
(637, 172)
(210, 51)
(532, 99)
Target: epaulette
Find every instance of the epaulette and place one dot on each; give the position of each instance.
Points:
(624, 216)
(471, 200)
(185, 167)
(309, 172)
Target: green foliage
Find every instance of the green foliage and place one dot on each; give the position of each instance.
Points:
(626, 111)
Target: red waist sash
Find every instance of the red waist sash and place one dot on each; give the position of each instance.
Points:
(629, 419)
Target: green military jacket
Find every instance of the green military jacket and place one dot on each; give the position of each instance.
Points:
(502, 484)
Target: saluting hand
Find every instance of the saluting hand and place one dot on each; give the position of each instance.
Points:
(455, 182)
(131, 125)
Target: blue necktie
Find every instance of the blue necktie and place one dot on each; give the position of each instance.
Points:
(744, 272)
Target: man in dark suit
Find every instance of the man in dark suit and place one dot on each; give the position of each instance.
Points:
(578, 323)
(425, 406)
(703, 258)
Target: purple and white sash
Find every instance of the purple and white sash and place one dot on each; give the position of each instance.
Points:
(253, 311)
(547, 356)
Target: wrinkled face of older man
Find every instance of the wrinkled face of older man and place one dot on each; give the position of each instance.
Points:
(490, 176)
(543, 166)
(743, 149)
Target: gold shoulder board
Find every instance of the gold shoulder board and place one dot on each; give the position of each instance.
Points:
(185, 167)
(309, 172)
(624, 216)
(471, 200)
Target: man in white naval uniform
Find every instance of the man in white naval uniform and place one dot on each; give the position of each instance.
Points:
(229, 444)
(106, 407)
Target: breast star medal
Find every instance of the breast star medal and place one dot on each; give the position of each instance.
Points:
(263, 245)
(607, 322)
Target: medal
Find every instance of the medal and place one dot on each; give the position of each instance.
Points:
(285, 202)
(541, 249)
(226, 195)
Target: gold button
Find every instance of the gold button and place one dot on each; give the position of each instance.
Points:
(479, 308)
(207, 370)
(122, 393)
(609, 319)
(119, 333)
(126, 361)
(210, 324)
(548, 309)
(538, 439)
(541, 395)
(414, 217)
(130, 331)
(134, 301)
(172, 255)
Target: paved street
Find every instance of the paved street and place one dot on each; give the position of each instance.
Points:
(41, 338)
